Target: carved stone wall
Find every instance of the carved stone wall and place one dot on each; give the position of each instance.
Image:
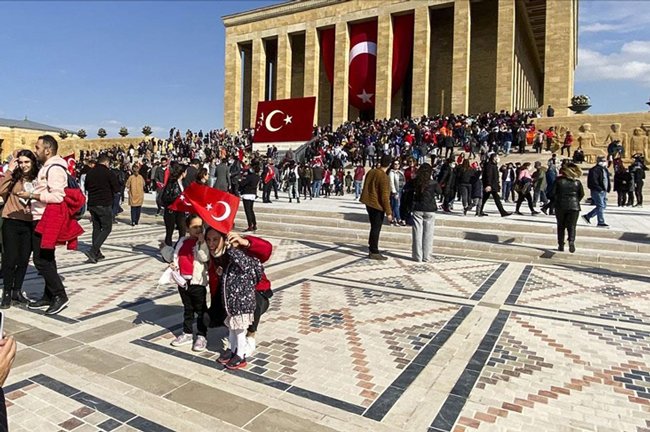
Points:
(601, 127)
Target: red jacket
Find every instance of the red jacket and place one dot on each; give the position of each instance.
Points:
(260, 249)
(58, 226)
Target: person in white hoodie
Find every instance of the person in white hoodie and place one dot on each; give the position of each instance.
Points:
(191, 255)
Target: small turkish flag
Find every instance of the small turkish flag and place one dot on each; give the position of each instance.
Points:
(72, 163)
(285, 120)
(217, 208)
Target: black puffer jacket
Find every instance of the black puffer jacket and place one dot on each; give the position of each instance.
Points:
(425, 201)
(491, 176)
(568, 193)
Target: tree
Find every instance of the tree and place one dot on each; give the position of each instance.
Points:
(101, 133)
(123, 132)
(82, 133)
(63, 134)
(146, 131)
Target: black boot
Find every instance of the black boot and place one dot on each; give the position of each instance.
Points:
(18, 298)
(6, 299)
(572, 247)
(560, 247)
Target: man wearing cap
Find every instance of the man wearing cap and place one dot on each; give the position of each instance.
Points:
(376, 197)
(599, 183)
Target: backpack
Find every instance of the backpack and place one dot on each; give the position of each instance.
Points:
(169, 195)
(292, 176)
(72, 184)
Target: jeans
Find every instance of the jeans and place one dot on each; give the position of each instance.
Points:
(422, 235)
(376, 218)
(357, 188)
(292, 190)
(194, 303)
(600, 201)
(305, 187)
(173, 220)
(250, 213)
(506, 187)
(566, 222)
(394, 205)
(102, 226)
(315, 188)
(538, 195)
(15, 259)
(135, 214)
(117, 209)
(568, 151)
(465, 193)
(506, 147)
(266, 191)
(45, 263)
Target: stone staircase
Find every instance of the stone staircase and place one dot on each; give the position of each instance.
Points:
(489, 237)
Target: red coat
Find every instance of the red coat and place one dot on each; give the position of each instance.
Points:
(260, 249)
(58, 226)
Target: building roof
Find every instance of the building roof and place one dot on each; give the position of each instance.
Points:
(281, 8)
(28, 124)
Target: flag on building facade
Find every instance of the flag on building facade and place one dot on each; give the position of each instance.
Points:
(285, 120)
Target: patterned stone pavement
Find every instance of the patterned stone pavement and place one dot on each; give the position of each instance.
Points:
(348, 344)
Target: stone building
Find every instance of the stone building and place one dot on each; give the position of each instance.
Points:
(461, 56)
(20, 134)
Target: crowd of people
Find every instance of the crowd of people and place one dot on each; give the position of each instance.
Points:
(401, 170)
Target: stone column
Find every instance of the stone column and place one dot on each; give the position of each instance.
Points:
(505, 54)
(341, 71)
(283, 78)
(421, 51)
(232, 95)
(559, 58)
(383, 87)
(312, 65)
(258, 79)
(460, 70)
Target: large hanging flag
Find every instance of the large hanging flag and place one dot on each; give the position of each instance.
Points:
(285, 120)
(363, 64)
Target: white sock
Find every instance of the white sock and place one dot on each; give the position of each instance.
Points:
(232, 340)
(241, 343)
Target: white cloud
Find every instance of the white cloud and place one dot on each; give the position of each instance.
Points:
(613, 16)
(631, 62)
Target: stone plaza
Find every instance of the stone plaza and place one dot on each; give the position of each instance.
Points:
(486, 342)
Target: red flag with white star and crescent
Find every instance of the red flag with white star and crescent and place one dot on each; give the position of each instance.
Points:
(216, 207)
(285, 120)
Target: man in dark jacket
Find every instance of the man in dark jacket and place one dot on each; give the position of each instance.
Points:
(599, 183)
(101, 185)
(159, 182)
(491, 185)
(192, 170)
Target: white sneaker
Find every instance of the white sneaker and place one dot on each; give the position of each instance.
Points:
(184, 339)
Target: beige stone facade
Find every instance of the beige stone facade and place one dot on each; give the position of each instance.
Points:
(468, 56)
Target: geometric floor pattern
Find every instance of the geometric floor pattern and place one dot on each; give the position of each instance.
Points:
(456, 344)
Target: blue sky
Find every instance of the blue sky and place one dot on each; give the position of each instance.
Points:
(111, 64)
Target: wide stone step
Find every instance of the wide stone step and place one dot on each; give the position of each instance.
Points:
(483, 242)
(504, 253)
(545, 236)
(540, 224)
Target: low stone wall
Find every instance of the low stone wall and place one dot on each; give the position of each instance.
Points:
(597, 129)
(68, 146)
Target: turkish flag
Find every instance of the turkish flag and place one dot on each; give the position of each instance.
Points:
(72, 163)
(363, 64)
(217, 208)
(285, 120)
